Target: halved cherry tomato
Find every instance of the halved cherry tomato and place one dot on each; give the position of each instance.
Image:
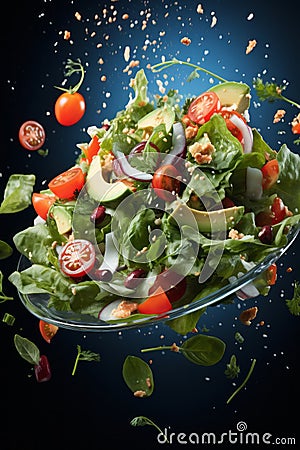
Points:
(68, 184)
(173, 284)
(203, 107)
(234, 130)
(47, 330)
(270, 172)
(77, 258)
(271, 274)
(69, 108)
(92, 149)
(165, 182)
(42, 203)
(157, 303)
(32, 135)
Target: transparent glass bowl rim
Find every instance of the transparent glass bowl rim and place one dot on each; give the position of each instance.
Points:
(82, 323)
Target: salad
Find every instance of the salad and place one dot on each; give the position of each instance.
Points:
(166, 204)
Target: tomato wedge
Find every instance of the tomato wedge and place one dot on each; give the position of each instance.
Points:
(271, 274)
(270, 172)
(234, 130)
(203, 107)
(155, 304)
(165, 182)
(92, 149)
(42, 203)
(68, 184)
(77, 258)
(47, 330)
(32, 135)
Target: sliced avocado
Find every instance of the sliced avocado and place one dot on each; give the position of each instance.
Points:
(208, 221)
(233, 94)
(99, 189)
(154, 118)
(63, 219)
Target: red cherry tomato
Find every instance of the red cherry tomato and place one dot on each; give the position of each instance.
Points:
(32, 135)
(173, 284)
(47, 330)
(42, 369)
(77, 258)
(69, 108)
(203, 107)
(92, 149)
(279, 210)
(42, 203)
(270, 172)
(235, 131)
(68, 184)
(271, 274)
(165, 182)
(275, 214)
(157, 303)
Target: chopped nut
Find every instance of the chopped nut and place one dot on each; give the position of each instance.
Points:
(78, 16)
(251, 46)
(174, 348)
(248, 315)
(234, 234)
(125, 16)
(139, 393)
(185, 41)
(295, 122)
(202, 150)
(191, 131)
(67, 35)
(124, 309)
(289, 269)
(200, 9)
(280, 113)
(213, 21)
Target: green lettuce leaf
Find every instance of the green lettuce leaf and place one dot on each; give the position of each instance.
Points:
(17, 194)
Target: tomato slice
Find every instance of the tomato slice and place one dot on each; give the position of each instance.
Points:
(234, 130)
(32, 135)
(47, 330)
(271, 274)
(270, 172)
(157, 303)
(42, 203)
(92, 149)
(296, 128)
(68, 184)
(165, 182)
(77, 258)
(203, 107)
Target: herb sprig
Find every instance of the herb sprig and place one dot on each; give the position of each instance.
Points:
(141, 421)
(271, 92)
(84, 355)
(244, 382)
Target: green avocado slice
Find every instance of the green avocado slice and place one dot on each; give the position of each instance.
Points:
(233, 94)
(209, 221)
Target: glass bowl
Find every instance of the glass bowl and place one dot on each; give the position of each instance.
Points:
(37, 304)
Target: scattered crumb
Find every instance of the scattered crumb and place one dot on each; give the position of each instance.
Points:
(148, 382)
(185, 41)
(251, 45)
(289, 269)
(139, 394)
(200, 9)
(234, 234)
(127, 53)
(248, 315)
(213, 21)
(280, 113)
(78, 15)
(67, 35)
(261, 323)
(125, 16)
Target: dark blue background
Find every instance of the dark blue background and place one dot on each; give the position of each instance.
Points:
(93, 409)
